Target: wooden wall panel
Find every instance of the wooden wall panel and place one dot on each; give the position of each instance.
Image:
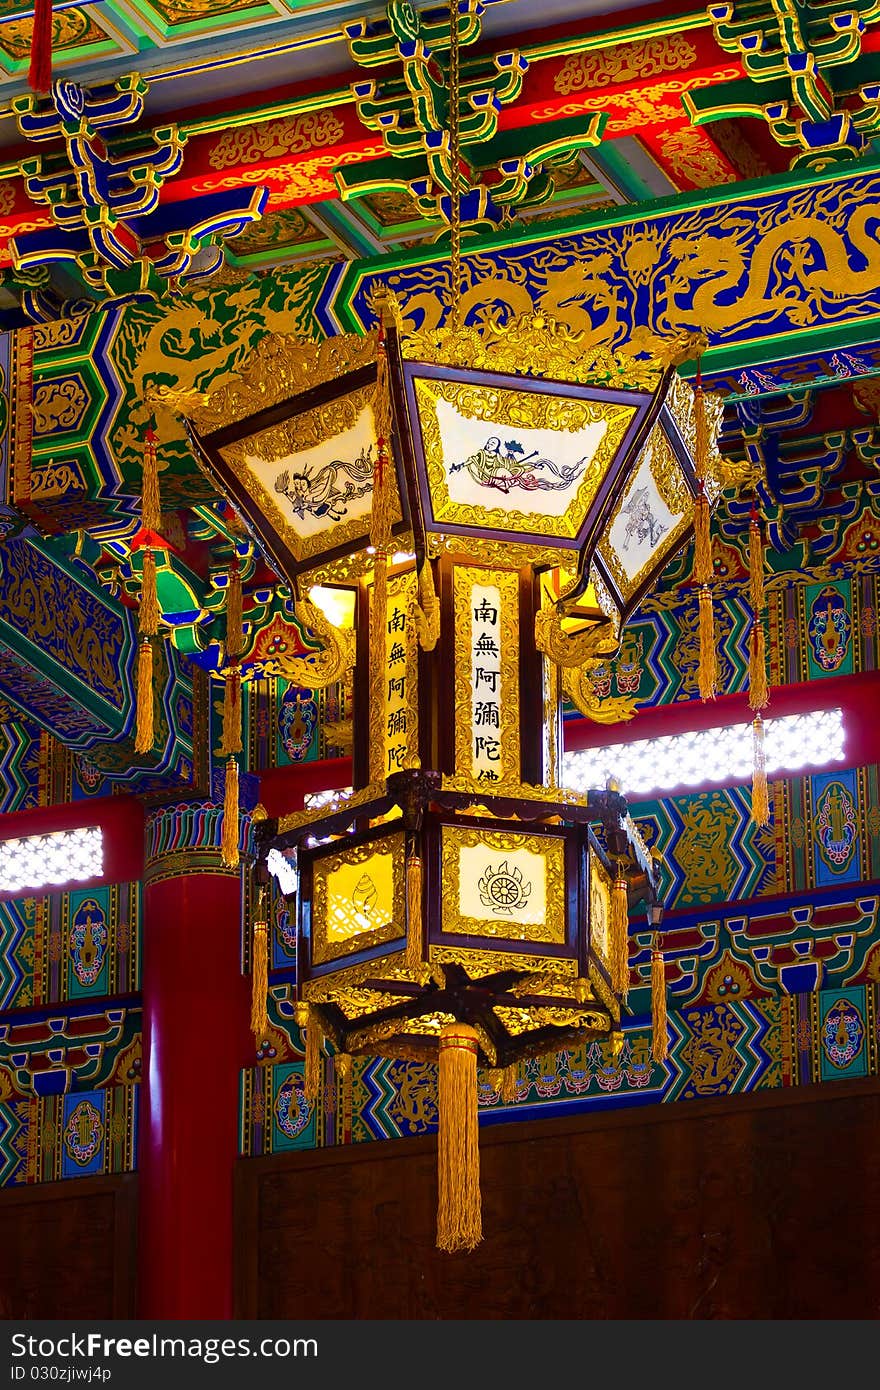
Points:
(765, 1206)
(68, 1249)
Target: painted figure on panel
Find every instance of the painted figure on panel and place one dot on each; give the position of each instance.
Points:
(836, 825)
(642, 523)
(506, 466)
(88, 941)
(317, 493)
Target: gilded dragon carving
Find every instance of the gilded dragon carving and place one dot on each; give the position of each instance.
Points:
(337, 654)
(578, 655)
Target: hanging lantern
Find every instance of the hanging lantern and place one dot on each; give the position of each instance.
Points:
(456, 907)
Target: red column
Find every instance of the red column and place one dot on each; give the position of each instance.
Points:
(196, 1039)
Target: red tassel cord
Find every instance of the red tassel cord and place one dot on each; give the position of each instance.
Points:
(40, 71)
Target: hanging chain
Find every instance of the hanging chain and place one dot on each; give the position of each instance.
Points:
(454, 161)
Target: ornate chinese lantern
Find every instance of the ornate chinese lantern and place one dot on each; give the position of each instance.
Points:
(498, 502)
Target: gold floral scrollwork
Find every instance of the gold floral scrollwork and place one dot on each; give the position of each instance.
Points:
(328, 665)
(426, 612)
(298, 134)
(625, 62)
(58, 405)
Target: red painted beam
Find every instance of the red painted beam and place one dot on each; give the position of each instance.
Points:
(121, 818)
(858, 696)
(284, 789)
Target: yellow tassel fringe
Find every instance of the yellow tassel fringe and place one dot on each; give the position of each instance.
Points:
(151, 504)
(760, 790)
(229, 835)
(378, 619)
(314, 1039)
(234, 617)
(144, 736)
(148, 614)
(701, 436)
(619, 931)
(702, 541)
(659, 1043)
(260, 982)
(380, 513)
(756, 566)
(231, 739)
(413, 958)
(428, 611)
(707, 669)
(759, 689)
(459, 1215)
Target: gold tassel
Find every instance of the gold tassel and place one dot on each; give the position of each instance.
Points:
(582, 991)
(459, 1217)
(312, 1077)
(660, 1042)
(260, 982)
(619, 930)
(234, 616)
(616, 1043)
(413, 959)
(148, 614)
(427, 614)
(231, 741)
(229, 834)
(760, 791)
(701, 434)
(551, 721)
(756, 565)
(759, 690)
(343, 1062)
(151, 504)
(702, 573)
(509, 1082)
(380, 513)
(707, 669)
(144, 736)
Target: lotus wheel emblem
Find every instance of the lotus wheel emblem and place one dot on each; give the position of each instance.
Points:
(503, 889)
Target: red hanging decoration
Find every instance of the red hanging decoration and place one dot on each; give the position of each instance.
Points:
(40, 71)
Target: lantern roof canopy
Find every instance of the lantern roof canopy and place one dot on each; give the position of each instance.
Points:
(511, 435)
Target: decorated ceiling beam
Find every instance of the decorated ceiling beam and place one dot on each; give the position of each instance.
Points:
(166, 32)
(760, 273)
(75, 678)
(764, 277)
(101, 179)
(559, 99)
(807, 73)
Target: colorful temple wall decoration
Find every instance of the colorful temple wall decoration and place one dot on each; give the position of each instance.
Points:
(723, 1047)
(70, 1033)
(80, 945)
(79, 1134)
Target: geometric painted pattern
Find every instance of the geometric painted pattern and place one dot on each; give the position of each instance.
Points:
(824, 831)
(719, 1047)
(47, 1138)
(73, 945)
